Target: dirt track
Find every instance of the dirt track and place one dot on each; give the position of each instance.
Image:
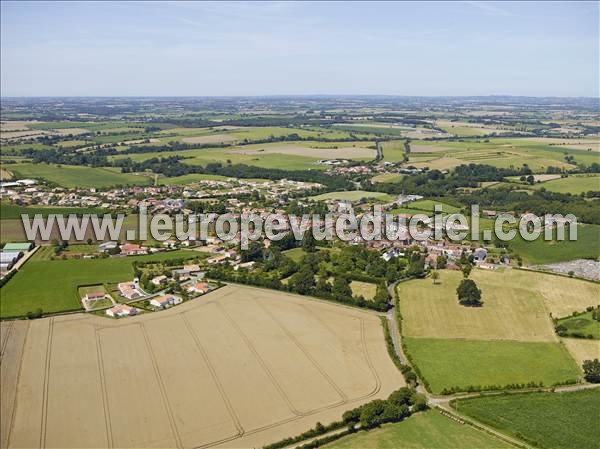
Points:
(241, 367)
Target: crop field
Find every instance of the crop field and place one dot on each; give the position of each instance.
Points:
(12, 211)
(563, 420)
(510, 339)
(78, 176)
(387, 177)
(513, 309)
(448, 363)
(197, 375)
(428, 430)
(499, 152)
(573, 184)
(582, 349)
(429, 206)
(52, 284)
(352, 195)
(540, 251)
(344, 151)
(207, 155)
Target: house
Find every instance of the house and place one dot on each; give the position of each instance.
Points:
(192, 268)
(94, 296)
(200, 287)
(121, 310)
(246, 265)
(131, 249)
(129, 290)
(218, 259)
(159, 280)
(162, 302)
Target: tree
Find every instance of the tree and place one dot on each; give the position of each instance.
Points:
(468, 293)
(371, 413)
(308, 242)
(441, 262)
(591, 370)
(382, 294)
(530, 179)
(435, 276)
(323, 287)
(303, 281)
(341, 288)
(466, 270)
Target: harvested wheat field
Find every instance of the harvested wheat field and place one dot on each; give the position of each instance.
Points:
(240, 367)
(211, 138)
(582, 349)
(324, 153)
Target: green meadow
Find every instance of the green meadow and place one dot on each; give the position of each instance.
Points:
(78, 176)
(565, 420)
(450, 363)
(427, 430)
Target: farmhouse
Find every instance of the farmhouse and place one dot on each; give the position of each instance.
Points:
(121, 310)
(129, 290)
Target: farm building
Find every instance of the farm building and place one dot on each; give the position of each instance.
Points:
(103, 247)
(8, 259)
(24, 247)
(121, 310)
(129, 290)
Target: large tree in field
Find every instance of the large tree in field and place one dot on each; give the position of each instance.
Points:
(591, 370)
(468, 293)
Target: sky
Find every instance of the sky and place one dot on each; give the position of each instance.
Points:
(299, 48)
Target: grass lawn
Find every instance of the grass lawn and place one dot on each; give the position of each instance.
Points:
(548, 420)
(387, 177)
(78, 176)
(513, 309)
(52, 284)
(582, 324)
(448, 363)
(428, 430)
(351, 195)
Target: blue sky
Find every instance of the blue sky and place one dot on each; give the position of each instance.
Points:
(271, 48)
